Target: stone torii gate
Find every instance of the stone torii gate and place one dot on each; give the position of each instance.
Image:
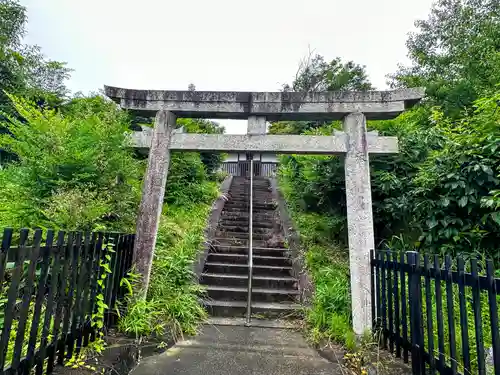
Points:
(353, 108)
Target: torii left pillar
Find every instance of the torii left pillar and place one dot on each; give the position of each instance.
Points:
(153, 192)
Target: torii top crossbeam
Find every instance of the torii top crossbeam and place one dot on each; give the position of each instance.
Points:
(274, 106)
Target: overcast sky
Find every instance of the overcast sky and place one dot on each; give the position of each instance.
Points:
(217, 44)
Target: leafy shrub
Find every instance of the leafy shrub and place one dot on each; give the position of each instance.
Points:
(329, 316)
(173, 301)
(72, 164)
(439, 194)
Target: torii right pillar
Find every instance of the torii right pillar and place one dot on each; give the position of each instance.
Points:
(359, 219)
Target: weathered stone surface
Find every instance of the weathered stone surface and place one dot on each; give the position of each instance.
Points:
(153, 192)
(272, 105)
(359, 219)
(256, 125)
(281, 144)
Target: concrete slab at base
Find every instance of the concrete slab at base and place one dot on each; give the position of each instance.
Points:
(234, 350)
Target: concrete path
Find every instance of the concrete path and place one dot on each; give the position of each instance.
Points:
(235, 350)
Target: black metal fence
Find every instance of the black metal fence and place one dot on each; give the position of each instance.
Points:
(242, 168)
(51, 286)
(441, 313)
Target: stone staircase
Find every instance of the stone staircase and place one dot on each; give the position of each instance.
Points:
(225, 275)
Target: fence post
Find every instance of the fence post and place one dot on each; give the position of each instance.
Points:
(375, 302)
(415, 297)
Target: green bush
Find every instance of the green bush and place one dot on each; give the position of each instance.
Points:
(173, 301)
(329, 316)
(438, 195)
(74, 168)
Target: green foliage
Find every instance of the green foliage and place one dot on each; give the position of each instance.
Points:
(329, 316)
(172, 305)
(74, 168)
(211, 161)
(186, 180)
(455, 53)
(24, 71)
(316, 74)
(439, 194)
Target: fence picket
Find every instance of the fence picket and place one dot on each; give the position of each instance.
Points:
(54, 282)
(27, 294)
(83, 285)
(404, 312)
(93, 256)
(42, 282)
(390, 291)
(12, 296)
(378, 295)
(396, 305)
(428, 310)
(439, 311)
(372, 282)
(99, 251)
(6, 241)
(451, 314)
(384, 301)
(415, 296)
(68, 333)
(492, 299)
(478, 322)
(113, 277)
(463, 315)
(73, 304)
(58, 344)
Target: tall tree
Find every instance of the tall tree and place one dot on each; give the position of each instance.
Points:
(316, 74)
(455, 53)
(24, 71)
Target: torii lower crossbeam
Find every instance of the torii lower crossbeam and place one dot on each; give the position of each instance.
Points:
(277, 144)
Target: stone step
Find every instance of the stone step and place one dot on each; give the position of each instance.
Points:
(272, 282)
(256, 205)
(240, 269)
(227, 293)
(245, 222)
(244, 250)
(231, 241)
(243, 235)
(244, 229)
(246, 201)
(262, 217)
(241, 212)
(245, 194)
(258, 260)
(266, 198)
(256, 185)
(262, 309)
